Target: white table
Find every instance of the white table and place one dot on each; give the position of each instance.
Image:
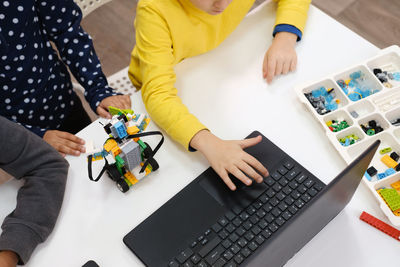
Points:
(225, 90)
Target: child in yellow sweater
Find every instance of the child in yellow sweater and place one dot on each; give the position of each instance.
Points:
(168, 31)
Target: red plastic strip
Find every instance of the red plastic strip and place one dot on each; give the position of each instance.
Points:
(384, 227)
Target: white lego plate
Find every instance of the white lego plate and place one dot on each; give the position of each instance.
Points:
(383, 106)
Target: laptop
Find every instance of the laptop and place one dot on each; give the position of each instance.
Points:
(265, 224)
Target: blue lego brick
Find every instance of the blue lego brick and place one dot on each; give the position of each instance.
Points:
(121, 129)
(381, 175)
(390, 171)
(367, 176)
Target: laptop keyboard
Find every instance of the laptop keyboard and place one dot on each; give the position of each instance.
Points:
(239, 233)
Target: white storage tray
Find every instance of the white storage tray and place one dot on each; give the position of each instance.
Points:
(382, 106)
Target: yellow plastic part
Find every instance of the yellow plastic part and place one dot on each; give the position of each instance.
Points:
(132, 130)
(147, 170)
(116, 151)
(131, 178)
(328, 123)
(110, 144)
(388, 161)
(347, 81)
(147, 120)
(337, 101)
(396, 185)
(397, 212)
(97, 158)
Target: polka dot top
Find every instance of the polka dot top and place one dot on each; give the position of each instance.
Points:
(35, 86)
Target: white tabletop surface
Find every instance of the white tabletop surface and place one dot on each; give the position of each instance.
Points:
(225, 90)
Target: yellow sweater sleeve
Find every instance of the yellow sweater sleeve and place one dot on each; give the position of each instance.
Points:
(155, 52)
(292, 12)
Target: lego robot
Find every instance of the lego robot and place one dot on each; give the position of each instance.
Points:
(133, 158)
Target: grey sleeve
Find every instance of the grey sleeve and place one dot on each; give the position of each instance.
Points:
(26, 156)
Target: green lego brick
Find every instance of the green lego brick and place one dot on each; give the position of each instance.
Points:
(128, 182)
(141, 144)
(391, 197)
(385, 150)
(116, 111)
(119, 160)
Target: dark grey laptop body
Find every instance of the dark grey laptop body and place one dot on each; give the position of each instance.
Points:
(170, 229)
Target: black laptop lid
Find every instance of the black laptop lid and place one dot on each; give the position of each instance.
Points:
(326, 206)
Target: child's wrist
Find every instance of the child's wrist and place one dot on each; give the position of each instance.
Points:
(287, 37)
(200, 139)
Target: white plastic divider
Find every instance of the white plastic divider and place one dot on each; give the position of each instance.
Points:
(382, 106)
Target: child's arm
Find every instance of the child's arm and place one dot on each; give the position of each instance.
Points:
(155, 53)
(61, 20)
(290, 21)
(26, 156)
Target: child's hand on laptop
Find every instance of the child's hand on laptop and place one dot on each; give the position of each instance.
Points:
(281, 56)
(227, 156)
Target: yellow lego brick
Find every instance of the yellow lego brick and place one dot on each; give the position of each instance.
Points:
(110, 144)
(396, 212)
(132, 130)
(116, 151)
(97, 158)
(396, 185)
(147, 120)
(388, 161)
(131, 178)
(328, 123)
(347, 81)
(147, 170)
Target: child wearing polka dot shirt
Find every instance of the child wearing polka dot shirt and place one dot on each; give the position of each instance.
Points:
(35, 86)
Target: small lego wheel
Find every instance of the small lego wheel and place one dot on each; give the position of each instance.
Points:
(154, 165)
(122, 185)
(147, 151)
(113, 172)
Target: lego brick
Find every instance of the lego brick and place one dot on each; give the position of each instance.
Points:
(381, 175)
(396, 185)
(394, 156)
(390, 171)
(372, 171)
(110, 144)
(385, 150)
(132, 154)
(380, 225)
(391, 197)
(389, 162)
(120, 129)
(132, 179)
(367, 176)
(133, 130)
(115, 151)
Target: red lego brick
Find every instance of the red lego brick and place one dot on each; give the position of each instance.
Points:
(384, 227)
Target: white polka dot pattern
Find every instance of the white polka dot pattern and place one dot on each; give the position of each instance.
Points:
(35, 86)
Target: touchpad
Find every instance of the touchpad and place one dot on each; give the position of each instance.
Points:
(241, 197)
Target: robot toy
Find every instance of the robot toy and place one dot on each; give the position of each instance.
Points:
(133, 158)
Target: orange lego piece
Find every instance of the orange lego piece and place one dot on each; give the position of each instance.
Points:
(132, 130)
(131, 178)
(116, 151)
(110, 144)
(396, 185)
